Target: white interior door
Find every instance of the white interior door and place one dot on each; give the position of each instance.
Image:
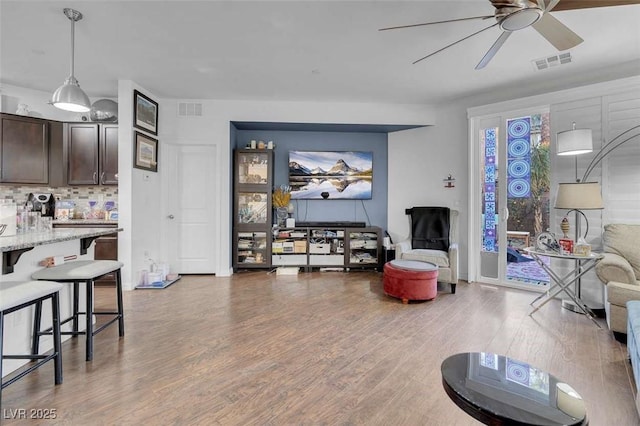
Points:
(190, 209)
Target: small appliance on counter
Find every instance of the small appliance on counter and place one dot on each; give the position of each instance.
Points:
(44, 203)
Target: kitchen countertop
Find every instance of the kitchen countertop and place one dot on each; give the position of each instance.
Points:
(85, 222)
(57, 235)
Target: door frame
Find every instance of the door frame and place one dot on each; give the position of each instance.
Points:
(475, 211)
(169, 164)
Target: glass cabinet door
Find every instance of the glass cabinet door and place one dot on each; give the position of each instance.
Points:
(253, 168)
(252, 248)
(252, 207)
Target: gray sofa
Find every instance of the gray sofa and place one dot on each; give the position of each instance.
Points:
(620, 271)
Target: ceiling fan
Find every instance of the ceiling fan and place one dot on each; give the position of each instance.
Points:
(515, 15)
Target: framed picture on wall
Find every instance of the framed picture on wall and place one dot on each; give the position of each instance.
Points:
(145, 156)
(145, 113)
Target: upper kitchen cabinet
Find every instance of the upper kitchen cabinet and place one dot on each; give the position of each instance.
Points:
(24, 149)
(24, 146)
(108, 154)
(92, 153)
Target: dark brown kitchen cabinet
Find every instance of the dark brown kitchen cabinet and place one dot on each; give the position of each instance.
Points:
(108, 154)
(106, 248)
(31, 151)
(92, 153)
(24, 149)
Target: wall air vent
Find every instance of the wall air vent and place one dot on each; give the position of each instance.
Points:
(188, 109)
(551, 61)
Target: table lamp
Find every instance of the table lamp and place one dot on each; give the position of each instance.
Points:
(576, 197)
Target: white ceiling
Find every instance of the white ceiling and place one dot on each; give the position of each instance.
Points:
(302, 50)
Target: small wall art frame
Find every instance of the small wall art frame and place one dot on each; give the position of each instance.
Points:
(145, 156)
(145, 113)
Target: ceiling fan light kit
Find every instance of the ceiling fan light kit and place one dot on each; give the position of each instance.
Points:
(518, 18)
(516, 15)
(69, 96)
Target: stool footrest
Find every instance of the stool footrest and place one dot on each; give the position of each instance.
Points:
(20, 375)
(97, 330)
(105, 325)
(31, 357)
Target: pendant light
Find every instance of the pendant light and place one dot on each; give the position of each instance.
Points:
(574, 141)
(69, 96)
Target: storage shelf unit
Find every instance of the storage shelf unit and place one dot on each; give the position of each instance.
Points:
(289, 247)
(327, 247)
(253, 181)
(364, 248)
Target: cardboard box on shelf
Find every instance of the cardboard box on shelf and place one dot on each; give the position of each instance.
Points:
(299, 246)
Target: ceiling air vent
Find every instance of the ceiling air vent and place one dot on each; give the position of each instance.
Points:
(551, 61)
(188, 109)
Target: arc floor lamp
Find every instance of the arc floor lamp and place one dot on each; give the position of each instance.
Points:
(582, 195)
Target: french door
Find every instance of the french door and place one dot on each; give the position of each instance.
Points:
(510, 199)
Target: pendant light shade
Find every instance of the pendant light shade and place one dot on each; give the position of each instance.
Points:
(574, 142)
(69, 96)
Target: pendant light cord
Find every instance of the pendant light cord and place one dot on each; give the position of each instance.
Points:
(73, 25)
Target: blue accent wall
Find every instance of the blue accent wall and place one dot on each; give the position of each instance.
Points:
(373, 211)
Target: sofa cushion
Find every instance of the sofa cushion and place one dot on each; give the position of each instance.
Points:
(622, 240)
(616, 268)
(620, 293)
(437, 257)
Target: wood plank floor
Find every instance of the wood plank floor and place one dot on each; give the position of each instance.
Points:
(320, 348)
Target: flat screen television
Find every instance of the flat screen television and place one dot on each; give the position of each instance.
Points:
(331, 175)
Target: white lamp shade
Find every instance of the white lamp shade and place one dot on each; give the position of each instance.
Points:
(574, 142)
(70, 97)
(579, 195)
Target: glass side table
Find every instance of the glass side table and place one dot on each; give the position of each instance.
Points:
(582, 265)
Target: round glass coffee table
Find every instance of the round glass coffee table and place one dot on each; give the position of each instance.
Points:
(496, 390)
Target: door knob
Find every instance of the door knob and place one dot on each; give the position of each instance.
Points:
(171, 216)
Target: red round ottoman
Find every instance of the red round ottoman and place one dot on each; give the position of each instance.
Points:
(410, 280)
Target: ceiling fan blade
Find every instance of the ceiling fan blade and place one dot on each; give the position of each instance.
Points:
(585, 4)
(551, 4)
(557, 33)
(455, 42)
(437, 22)
(493, 50)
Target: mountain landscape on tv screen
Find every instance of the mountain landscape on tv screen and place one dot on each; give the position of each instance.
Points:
(330, 175)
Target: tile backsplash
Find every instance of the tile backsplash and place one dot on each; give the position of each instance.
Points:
(19, 193)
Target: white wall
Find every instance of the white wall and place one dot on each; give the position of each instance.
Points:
(139, 193)
(419, 160)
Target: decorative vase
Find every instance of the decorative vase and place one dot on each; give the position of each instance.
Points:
(282, 214)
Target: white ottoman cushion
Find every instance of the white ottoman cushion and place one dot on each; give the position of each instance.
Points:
(15, 293)
(79, 270)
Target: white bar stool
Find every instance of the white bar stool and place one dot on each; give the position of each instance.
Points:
(86, 271)
(16, 295)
